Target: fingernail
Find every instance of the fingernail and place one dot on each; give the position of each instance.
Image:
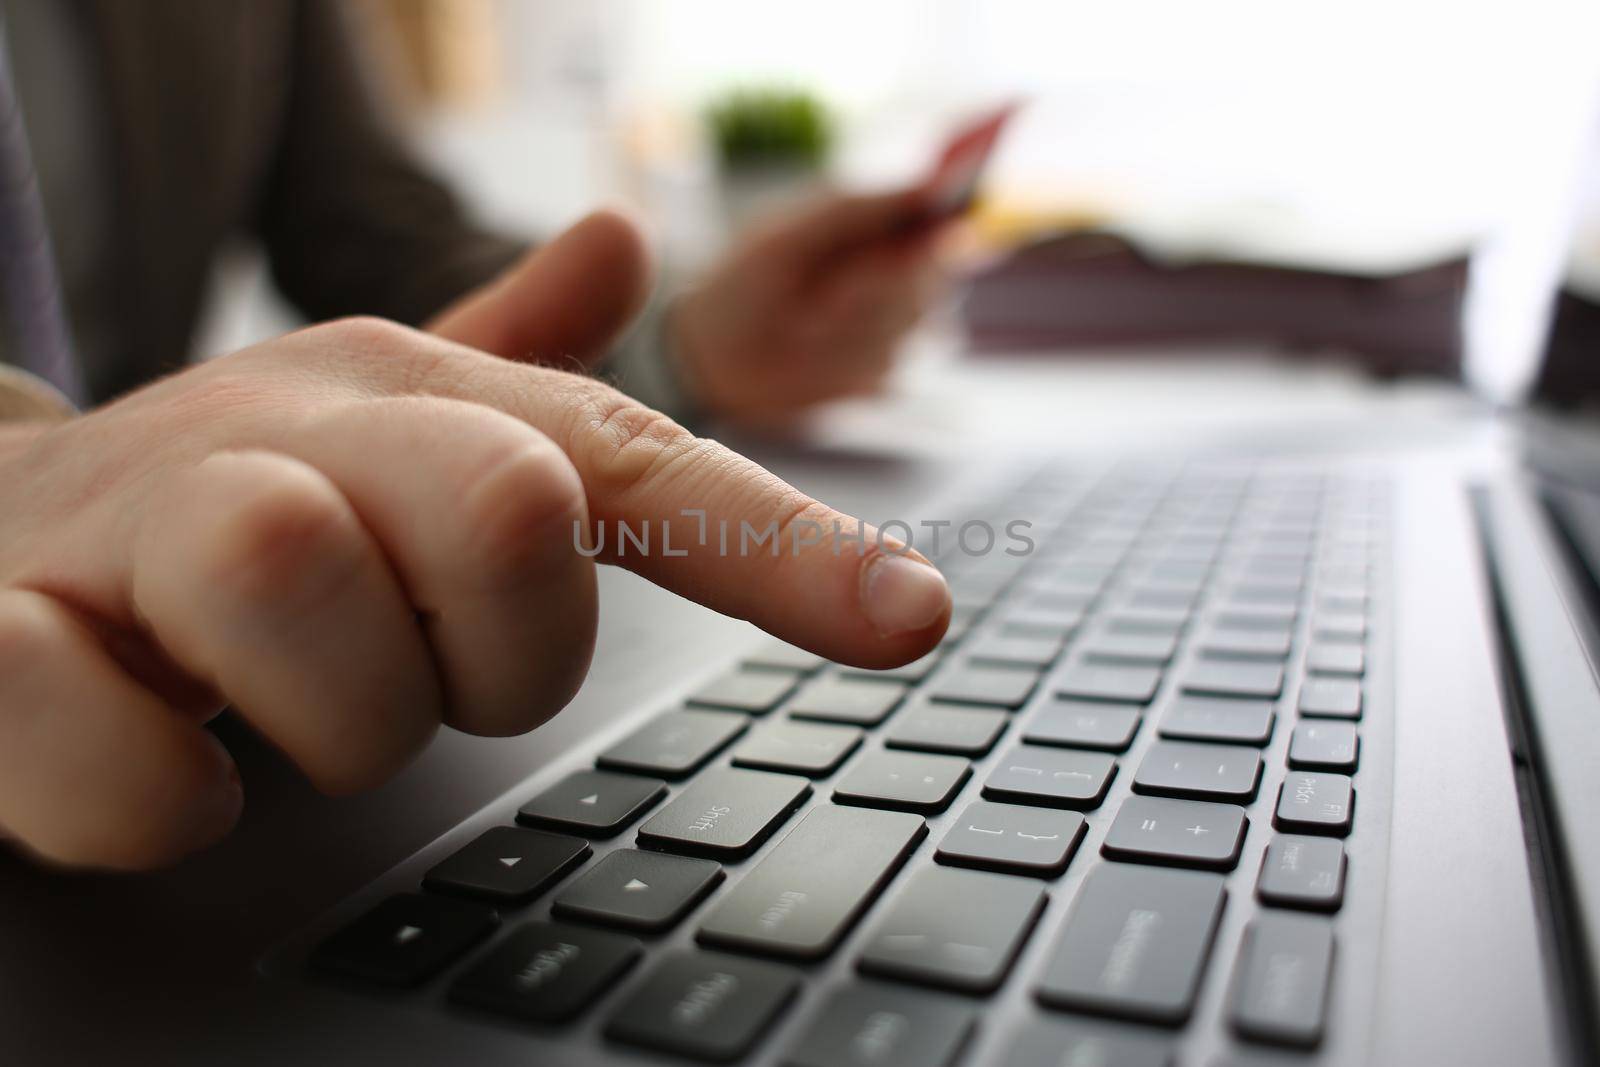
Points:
(901, 593)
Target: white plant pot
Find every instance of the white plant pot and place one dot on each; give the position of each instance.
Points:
(750, 193)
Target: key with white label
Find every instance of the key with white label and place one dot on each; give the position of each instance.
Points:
(647, 891)
(593, 803)
(1188, 833)
(806, 893)
(955, 929)
(676, 744)
(1135, 943)
(906, 781)
(508, 865)
(546, 972)
(870, 1024)
(1053, 777)
(1315, 803)
(1302, 872)
(1012, 839)
(704, 1005)
(1199, 771)
(1324, 745)
(1083, 724)
(813, 749)
(725, 813)
(1280, 989)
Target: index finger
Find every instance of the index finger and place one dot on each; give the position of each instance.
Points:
(697, 518)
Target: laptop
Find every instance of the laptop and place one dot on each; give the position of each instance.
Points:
(1233, 755)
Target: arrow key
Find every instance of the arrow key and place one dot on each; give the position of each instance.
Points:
(508, 865)
(646, 891)
(593, 803)
(406, 939)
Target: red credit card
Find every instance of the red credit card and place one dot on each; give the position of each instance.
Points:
(951, 187)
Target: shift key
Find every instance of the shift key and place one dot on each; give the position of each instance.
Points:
(725, 814)
(807, 892)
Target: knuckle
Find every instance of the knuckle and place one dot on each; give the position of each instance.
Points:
(521, 509)
(283, 525)
(623, 444)
(385, 356)
(26, 631)
(362, 333)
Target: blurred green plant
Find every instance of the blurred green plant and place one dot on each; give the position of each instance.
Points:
(769, 126)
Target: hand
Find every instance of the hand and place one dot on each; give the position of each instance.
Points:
(808, 308)
(352, 534)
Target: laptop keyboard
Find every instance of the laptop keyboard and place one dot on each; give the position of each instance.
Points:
(1178, 678)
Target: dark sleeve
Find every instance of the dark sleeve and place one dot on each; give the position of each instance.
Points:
(352, 223)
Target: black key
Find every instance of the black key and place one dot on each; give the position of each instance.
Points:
(806, 893)
(780, 655)
(1331, 698)
(1280, 990)
(812, 749)
(1234, 679)
(1012, 839)
(1247, 722)
(870, 1025)
(944, 728)
(1199, 771)
(648, 891)
(1186, 833)
(1113, 647)
(917, 669)
(1318, 803)
(508, 865)
(1093, 681)
(704, 1005)
(1246, 644)
(1329, 657)
(1083, 724)
(1001, 687)
(903, 780)
(725, 813)
(1302, 872)
(675, 744)
(1324, 746)
(754, 692)
(1054, 777)
(953, 928)
(847, 700)
(1135, 943)
(1067, 1043)
(406, 939)
(593, 803)
(547, 972)
(1025, 650)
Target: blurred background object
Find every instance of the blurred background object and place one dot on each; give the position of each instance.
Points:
(1400, 171)
(771, 145)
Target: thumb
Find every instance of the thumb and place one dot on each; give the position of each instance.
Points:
(571, 297)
